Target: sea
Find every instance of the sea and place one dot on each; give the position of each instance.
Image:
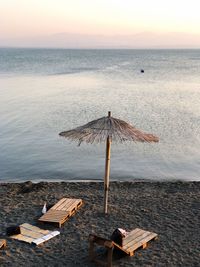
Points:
(46, 91)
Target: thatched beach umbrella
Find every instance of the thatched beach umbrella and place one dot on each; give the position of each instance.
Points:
(107, 129)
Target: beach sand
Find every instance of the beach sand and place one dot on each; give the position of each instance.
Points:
(170, 209)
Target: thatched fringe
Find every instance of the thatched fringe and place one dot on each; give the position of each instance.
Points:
(98, 131)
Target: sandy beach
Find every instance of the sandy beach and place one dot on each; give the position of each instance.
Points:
(170, 209)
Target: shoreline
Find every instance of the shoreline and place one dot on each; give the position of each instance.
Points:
(128, 180)
(170, 209)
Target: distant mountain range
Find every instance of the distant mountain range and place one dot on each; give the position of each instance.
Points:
(140, 40)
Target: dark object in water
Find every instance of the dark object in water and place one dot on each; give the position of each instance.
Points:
(13, 230)
(142, 71)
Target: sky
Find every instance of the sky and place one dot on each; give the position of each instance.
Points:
(25, 19)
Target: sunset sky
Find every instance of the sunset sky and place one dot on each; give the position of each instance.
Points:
(32, 18)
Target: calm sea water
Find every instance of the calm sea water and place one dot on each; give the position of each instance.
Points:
(43, 92)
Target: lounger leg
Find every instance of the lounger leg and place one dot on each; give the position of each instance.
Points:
(144, 245)
(3, 244)
(91, 251)
(110, 254)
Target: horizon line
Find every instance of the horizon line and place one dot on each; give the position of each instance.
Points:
(100, 48)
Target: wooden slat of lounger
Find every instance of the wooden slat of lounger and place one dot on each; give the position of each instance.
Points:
(131, 235)
(24, 227)
(54, 215)
(74, 206)
(56, 220)
(33, 228)
(66, 204)
(135, 236)
(2, 243)
(140, 241)
(136, 239)
(44, 232)
(31, 233)
(78, 204)
(71, 204)
(63, 204)
(58, 203)
(45, 238)
(24, 238)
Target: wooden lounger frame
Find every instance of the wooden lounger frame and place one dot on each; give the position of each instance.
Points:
(134, 240)
(34, 235)
(61, 211)
(2, 243)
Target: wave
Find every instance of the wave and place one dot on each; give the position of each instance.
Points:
(73, 71)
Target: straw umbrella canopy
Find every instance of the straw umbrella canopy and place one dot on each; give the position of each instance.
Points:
(107, 129)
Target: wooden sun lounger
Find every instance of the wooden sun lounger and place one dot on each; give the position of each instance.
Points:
(33, 234)
(134, 240)
(61, 211)
(2, 243)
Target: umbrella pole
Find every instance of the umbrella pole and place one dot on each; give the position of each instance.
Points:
(107, 175)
